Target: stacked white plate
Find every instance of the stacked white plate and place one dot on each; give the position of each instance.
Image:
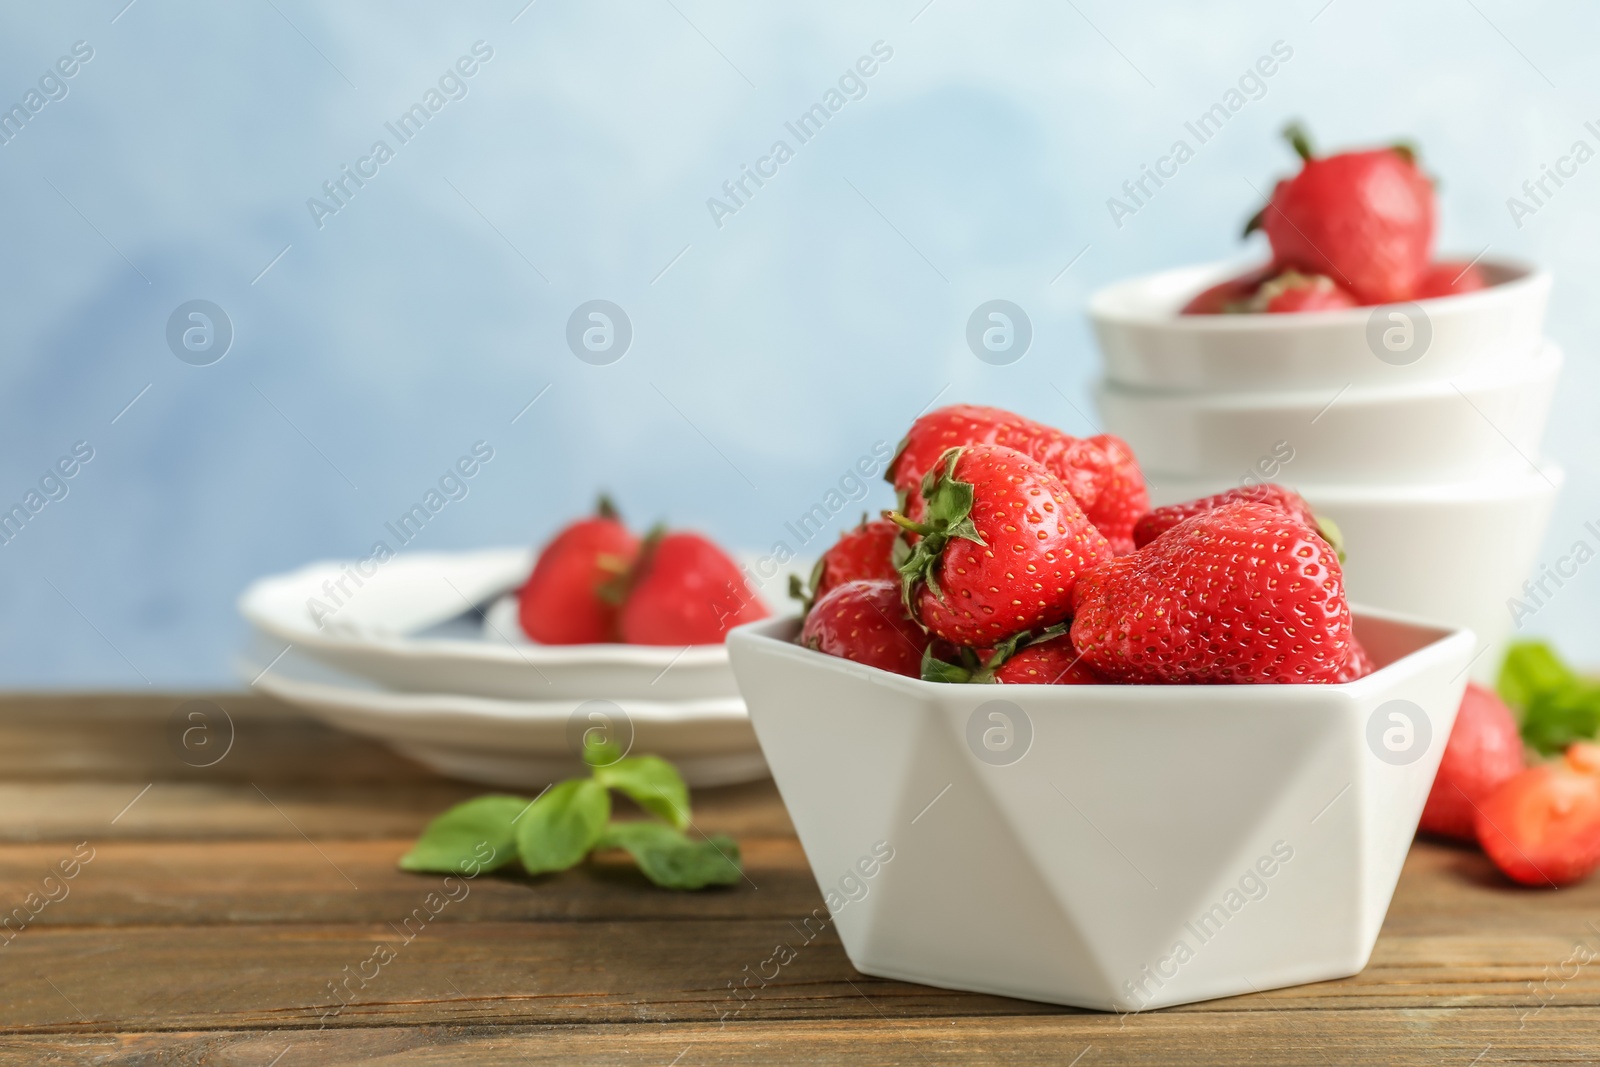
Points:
(1415, 427)
(426, 655)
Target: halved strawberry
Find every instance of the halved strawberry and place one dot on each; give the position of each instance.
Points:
(1541, 826)
(1484, 750)
(866, 621)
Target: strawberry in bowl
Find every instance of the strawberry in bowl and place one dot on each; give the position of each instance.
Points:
(1348, 230)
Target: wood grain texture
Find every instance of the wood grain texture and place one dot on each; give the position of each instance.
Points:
(223, 909)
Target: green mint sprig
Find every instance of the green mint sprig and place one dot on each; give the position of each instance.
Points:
(561, 827)
(1556, 705)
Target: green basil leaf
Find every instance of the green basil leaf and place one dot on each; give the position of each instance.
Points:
(561, 827)
(470, 838)
(671, 860)
(600, 753)
(1556, 718)
(652, 783)
(1531, 668)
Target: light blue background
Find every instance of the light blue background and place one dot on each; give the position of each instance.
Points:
(766, 360)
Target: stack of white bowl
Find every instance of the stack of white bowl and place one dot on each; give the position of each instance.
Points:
(1415, 427)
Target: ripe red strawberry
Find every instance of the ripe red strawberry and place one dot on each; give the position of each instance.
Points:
(1357, 665)
(1241, 594)
(1541, 826)
(866, 621)
(1120, 498)
(1159, 521)
(1484, 750)
(1052, 662)
(935, 433)
(1231, 296)
(1449, 277)
(1292, 291)
(1100, 472)
(685, 591)
(1043, 658)
(866, 552)
(1000, 547)
(561, 603)
(1364, 219)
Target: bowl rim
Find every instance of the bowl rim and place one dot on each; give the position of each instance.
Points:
(416, 649)
(1548, 360)
(765, 634)
(1524, 279)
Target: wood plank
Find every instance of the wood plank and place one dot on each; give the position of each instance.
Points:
(1382, 1038)
(601, 971)
(210, 883)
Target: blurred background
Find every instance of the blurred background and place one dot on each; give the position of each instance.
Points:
(361, 336)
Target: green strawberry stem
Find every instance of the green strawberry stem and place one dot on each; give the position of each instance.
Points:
(1332, 534)
(615, 590)
(973, 672)
(949, 516)
(1299, 140)
(606, 508)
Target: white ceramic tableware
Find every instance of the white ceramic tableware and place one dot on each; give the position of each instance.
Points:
(1490, 419)
(522, 744)
(1453, 551)
(459, 654)
(1145, 342)
(1109, 847)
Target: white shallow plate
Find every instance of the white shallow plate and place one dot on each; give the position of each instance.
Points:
(520, 744)
(1146, 342)
(1487, 420)
(1060, 842)
(414, 625)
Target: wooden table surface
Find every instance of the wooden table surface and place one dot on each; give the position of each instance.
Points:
(221, 904)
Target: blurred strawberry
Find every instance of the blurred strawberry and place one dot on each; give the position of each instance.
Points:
(1364, 219)
(1292, 291)
(1541, 826)
(684, 590)
(1231, 296)
(1449, 277)
(562, 602)
(865, 620)
(1240, 594)
(1484, 750)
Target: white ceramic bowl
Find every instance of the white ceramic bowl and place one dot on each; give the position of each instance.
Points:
(1487, 420)
(1456, 552)
(523, 744)
(1254, 825)
(1146, 342)
(411, 625)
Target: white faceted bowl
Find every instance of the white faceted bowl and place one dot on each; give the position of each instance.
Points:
(1487, 420)
(1145, 342)
(1069, 875)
